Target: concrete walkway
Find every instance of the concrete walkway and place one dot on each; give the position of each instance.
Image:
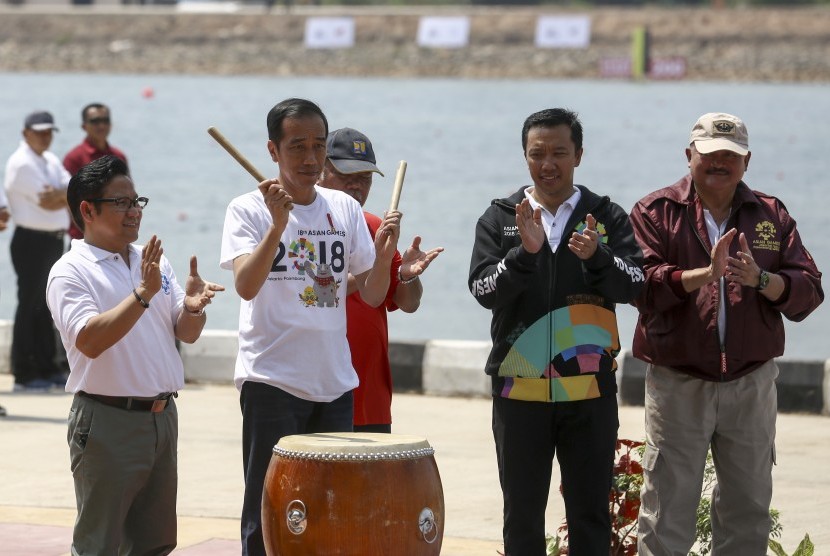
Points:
(37, 500)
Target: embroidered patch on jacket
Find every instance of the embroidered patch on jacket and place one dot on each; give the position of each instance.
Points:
(765, 232)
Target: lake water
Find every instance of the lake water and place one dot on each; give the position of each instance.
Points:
(461, 139)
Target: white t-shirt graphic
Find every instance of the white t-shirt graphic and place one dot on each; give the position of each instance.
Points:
(292, 335)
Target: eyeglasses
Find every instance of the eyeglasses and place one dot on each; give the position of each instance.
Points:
(123, 204)
(96, 121)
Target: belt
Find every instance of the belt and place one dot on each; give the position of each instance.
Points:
(154, 405)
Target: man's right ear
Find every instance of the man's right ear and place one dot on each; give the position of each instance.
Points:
(272, 148)
(85, 210)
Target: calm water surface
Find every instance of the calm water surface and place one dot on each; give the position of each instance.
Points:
(462, 142)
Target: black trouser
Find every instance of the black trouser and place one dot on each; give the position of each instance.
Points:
(582, 435)
(268, 414)
(33, 338)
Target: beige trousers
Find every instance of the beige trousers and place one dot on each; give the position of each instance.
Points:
(686, 416)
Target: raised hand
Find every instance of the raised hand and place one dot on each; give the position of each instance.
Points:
(150, 271)
(720, 255)
(388, 233)
(584, 244)
(198, 293)
(529, 221)
(743, 269)
(414, 261)
(278, 201)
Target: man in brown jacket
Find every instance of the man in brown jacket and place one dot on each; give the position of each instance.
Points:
(723, 263)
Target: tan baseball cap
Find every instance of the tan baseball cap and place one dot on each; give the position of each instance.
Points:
(716, 131)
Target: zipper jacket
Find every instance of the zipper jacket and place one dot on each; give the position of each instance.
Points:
(680, 330)
(554, 326)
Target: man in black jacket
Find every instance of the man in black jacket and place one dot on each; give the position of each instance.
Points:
(551, 262)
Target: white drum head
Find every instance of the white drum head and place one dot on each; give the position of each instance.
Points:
(357, 446)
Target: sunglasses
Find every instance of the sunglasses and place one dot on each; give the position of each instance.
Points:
(97, 121)
(123, 204)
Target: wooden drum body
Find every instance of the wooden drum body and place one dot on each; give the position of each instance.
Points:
(362, 494)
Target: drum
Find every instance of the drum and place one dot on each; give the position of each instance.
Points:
(362, 494)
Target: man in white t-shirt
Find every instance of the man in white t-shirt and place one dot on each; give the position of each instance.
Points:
(119, 310)
(35, 183)
(291, 245)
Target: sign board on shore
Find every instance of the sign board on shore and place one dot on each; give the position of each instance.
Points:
(444, 32)
(563, 31)
(329, 32)
(673, 67)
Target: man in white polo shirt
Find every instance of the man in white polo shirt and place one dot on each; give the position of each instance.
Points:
(119, 309)
(35, 183)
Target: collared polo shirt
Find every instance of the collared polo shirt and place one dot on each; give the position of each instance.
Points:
(88, 281)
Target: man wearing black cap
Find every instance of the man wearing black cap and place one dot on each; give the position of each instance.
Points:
(35, 182)
(350, 163)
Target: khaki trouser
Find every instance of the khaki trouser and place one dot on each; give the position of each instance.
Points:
(125, 470)
(685, 416)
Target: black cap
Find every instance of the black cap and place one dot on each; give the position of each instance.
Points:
(40, 121)
(350, 151)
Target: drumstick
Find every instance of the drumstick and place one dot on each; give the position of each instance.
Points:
(244, 162)
(396, 193)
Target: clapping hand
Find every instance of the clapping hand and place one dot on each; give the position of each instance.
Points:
(529, 222)
(414, 261)
(198, 293)
(150, 271)
(584, 244)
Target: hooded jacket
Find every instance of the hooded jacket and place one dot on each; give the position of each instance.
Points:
(680, 330)
(554, 326)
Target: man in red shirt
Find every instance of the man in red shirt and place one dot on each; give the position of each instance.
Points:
(350, 163)
(96, 121)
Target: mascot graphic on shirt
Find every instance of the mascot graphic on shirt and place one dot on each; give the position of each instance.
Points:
(324, 291)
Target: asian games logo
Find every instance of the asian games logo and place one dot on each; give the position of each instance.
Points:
(603, 235)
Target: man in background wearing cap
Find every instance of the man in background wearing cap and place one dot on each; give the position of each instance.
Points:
(35, 183)
(350, 163)
(723, 263)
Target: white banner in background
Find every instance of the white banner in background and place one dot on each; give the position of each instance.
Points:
(444, 32)
(563, 31)
(329, 32)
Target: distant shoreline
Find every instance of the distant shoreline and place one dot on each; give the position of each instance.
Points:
(764, 45)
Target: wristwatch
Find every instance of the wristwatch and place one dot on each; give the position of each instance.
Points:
(763, 280)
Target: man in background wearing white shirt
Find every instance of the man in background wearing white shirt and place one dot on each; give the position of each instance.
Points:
(35, 183)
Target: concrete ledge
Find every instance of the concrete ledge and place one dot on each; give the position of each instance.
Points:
(212, 358)
(456, 368)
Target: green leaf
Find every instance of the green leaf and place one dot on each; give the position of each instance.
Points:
(776, 547)
(805, 547)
